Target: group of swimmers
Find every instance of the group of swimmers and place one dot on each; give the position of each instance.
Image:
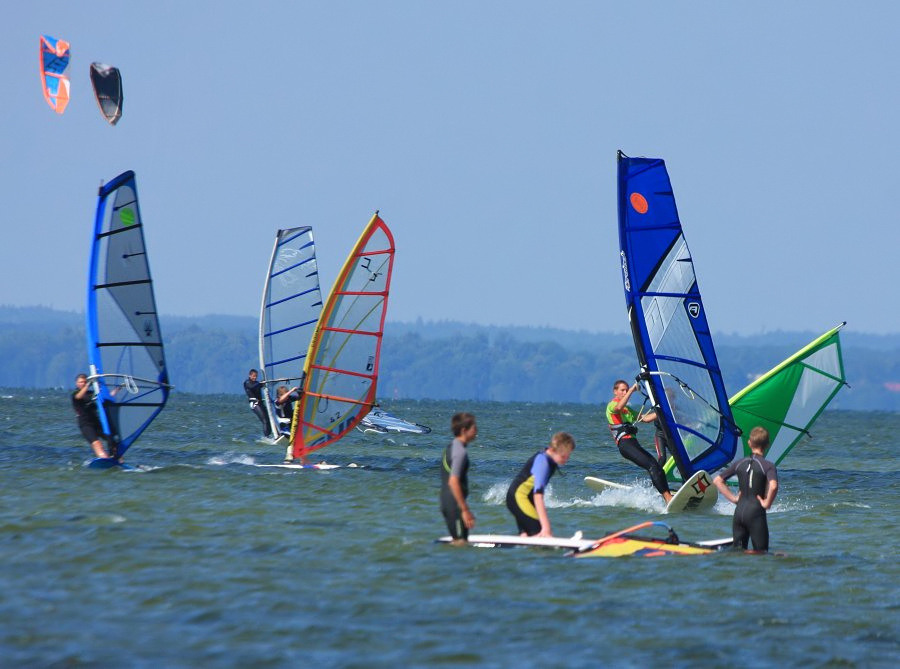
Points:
(757, 477)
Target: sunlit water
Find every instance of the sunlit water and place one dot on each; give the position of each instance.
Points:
(199, 558)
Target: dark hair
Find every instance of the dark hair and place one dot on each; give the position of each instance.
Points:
(460, 422)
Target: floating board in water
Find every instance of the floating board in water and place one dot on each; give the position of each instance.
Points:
(321, 465)
(511, 540)
(107, 463)
(601, 484)
(649, 547)
(697, 494)
(624, 542)
(378, 421)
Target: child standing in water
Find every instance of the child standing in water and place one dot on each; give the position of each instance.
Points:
(455, 478)
(758, 481)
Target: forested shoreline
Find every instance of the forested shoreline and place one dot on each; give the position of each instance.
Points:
(45, 348)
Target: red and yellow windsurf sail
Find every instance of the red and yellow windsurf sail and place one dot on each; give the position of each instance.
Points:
(342, 362)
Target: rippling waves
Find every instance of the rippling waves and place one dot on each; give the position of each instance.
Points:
(198, 558)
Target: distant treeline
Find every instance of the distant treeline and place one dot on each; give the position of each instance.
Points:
(44, 348)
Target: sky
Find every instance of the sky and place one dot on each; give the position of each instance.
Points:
(485, 133)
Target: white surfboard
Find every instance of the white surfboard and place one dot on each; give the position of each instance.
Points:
(509, 540)
(696, 494)
(601, 484)
(321, 465)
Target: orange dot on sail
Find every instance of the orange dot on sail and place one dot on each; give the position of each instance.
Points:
(639, 202)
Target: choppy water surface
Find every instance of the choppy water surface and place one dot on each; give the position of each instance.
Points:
(200, 559)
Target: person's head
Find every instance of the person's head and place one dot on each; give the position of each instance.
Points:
(561, 446)
(463, 426)
(252, 374)
(759, 439)
(80, 381)
(620, 387)
(281, 391)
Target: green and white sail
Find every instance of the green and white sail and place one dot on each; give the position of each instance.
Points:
(788, 399)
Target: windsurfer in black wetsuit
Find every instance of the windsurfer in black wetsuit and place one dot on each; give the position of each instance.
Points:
(253, 388)
(88, 419)
(758, 485)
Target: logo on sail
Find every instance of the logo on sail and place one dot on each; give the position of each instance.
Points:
(625, 271)
(693, 309)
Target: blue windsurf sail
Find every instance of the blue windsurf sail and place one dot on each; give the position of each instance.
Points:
(291, 304)
(125, 348)
(679, 371)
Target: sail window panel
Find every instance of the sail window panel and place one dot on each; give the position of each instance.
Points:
(691, 411)
(350, 351)
(827, 359)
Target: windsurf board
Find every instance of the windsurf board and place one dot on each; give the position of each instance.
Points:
(697, 494)
(107, 463)
(510, 540)
(601, 484)
(321, 465)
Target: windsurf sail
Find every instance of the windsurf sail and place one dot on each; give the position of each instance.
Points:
(679, 371)
(125, 348)
(54, 55)
(382, 422)
(107, 83)
(291, 304)
(789, 398)
(342, 362)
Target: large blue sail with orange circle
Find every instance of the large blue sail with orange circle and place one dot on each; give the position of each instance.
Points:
(679, 371)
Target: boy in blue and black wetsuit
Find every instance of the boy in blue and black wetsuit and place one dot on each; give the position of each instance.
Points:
(758, 485)
(455, 478)
(525, 496)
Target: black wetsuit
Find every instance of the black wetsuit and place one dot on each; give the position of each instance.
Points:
(621, 425)
(88, 419)
(254, 394)
(749, 523)
(456, 462)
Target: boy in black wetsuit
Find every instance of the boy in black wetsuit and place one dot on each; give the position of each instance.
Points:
(253, 388)
(88, 420)
(758, 485)
(455, 478)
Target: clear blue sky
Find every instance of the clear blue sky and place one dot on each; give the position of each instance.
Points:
(486, 133)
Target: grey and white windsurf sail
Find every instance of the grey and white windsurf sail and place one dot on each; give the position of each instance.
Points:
(291, 304)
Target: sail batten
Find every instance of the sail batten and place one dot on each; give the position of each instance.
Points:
(124, 339)
(679, 370)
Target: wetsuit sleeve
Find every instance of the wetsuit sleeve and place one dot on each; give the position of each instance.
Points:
(458, 457)
(540, 470)
(729, 471)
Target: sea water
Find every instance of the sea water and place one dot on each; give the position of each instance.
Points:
(199, 558)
